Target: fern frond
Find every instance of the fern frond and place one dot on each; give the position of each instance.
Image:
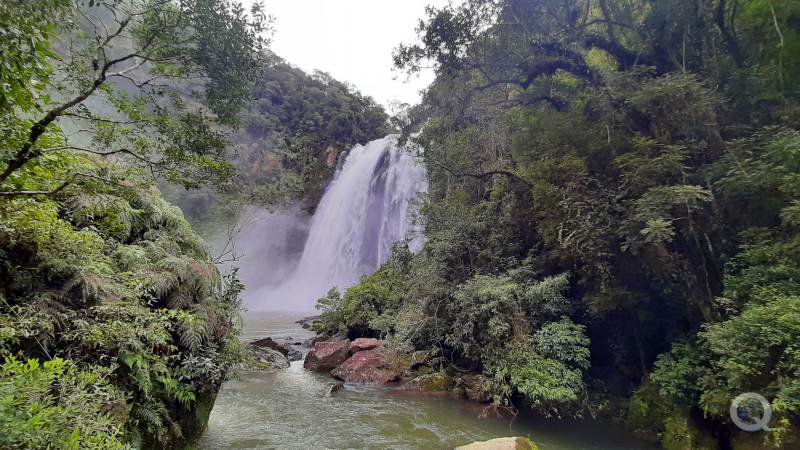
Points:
(88, 287)
(193, 331)
(179, 301)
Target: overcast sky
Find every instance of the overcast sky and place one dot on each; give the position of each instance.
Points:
(352, 40)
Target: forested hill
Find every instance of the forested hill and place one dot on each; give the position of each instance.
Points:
(293, 131)
(612, 222)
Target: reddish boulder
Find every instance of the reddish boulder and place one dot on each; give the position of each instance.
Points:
(326, 355)
(368, 367)
(361, 344)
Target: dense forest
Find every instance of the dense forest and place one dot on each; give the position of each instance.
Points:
(612, 222)
(116, 328)
(611, 227)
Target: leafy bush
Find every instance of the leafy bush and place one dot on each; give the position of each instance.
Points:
(359, 311)
(56, 405)
(112, 277)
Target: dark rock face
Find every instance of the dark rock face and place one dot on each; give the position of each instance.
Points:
(285, 348)
(327, 355)
(194, 419)
(367, 367)
(362, 344)
(268, 342)
(476, 387)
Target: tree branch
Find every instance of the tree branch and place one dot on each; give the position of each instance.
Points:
(478, 176)
(7, 194)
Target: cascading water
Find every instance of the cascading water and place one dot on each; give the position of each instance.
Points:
(367, 207)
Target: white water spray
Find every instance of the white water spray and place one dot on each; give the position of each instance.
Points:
(367, 207)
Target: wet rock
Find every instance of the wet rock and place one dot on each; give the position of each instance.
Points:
(509, 443)
(476, 387)
(264, 358)
(335, 388)
(327, 355)
(361, 344)
(434, 382)
(367, 367)
(285, 348)
(268, 342)
(294, 354)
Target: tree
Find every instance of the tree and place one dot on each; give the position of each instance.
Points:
(142, 81)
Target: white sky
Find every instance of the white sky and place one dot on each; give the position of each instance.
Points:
(352, 40)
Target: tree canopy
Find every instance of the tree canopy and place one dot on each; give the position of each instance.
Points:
(611, 217)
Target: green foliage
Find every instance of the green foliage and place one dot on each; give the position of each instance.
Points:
(552, 387)
(159, 48)
(57, 405)
(358, 313)
(25, 45)
(650, 150)
(112, 277)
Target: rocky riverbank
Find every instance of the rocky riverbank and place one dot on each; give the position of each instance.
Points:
(369, 361)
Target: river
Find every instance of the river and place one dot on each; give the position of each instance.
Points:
(289, 409)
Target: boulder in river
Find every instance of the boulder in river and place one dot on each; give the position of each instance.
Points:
(432, 382)
(368, 367)
(285, 348)
(362, 344)
(477, 387)
(263, 358)
(327, 355)
(508, 443)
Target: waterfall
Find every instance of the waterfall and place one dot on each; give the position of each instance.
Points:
(367, 207)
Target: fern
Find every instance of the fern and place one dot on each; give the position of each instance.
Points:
(150, 414)
(193, 331)
(86, 286)
(109, 212)
(179, 301)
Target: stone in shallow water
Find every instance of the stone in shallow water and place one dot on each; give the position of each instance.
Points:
(327, 355)
(509, 443)
(367, 367)
(263, 358)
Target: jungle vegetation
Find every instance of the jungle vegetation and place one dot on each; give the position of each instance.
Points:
(116, 329)
(612, 222)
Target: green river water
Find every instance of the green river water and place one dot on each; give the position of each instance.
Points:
(290, 410)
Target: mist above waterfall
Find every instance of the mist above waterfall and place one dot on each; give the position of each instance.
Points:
(367, 207)
(265, 245)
